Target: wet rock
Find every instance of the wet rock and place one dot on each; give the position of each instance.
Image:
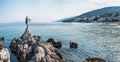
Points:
(39, 54)
(55, 44)
(1, 46)
(34, 49)
(50, 40)
(73, 45)
(1, 42)
(13, 45)
(4, 55)
(1, 38)
(95, 59)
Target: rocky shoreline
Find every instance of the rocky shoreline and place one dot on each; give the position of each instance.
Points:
(34, 50)
(4, 53)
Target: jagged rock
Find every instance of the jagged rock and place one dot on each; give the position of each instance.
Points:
(4, 55)
(51, 40)
(1, 46)
(1, 38)
(73, 45)
(1, 42)
(34, 49)
(95, 59)
(13, 45)
(55, 44)
(50, 51)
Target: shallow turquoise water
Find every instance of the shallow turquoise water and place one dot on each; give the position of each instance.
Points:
(94, 39)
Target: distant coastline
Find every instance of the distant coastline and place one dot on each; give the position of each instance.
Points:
(103, 15)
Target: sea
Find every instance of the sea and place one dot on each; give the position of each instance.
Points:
(100, 40)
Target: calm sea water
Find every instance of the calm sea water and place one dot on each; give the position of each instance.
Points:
(94, 39)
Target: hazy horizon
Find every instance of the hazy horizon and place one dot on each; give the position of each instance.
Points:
(48, 10)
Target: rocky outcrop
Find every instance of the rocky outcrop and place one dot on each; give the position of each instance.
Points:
(95, 59)
(73, 45)
(46, 53)
(1, 38)
(30, 48)
(4, 55)
(34, 49)
(55, 44)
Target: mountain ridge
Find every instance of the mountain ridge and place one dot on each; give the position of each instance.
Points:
(103, 10)
(95, 13)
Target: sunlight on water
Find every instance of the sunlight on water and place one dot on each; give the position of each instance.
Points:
(94, 39)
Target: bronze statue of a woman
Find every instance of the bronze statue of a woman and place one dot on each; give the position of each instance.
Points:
(25, 34)
(26, 21)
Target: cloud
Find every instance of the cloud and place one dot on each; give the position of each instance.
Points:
(49, 10)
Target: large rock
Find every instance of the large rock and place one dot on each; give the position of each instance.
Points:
(1, 42)
(4, 55)
(73, 45)
(95, 59)
(1, 38)
(35, 50)
(55, 44)
(46, 52)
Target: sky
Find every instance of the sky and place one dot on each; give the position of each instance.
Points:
(48, 10)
